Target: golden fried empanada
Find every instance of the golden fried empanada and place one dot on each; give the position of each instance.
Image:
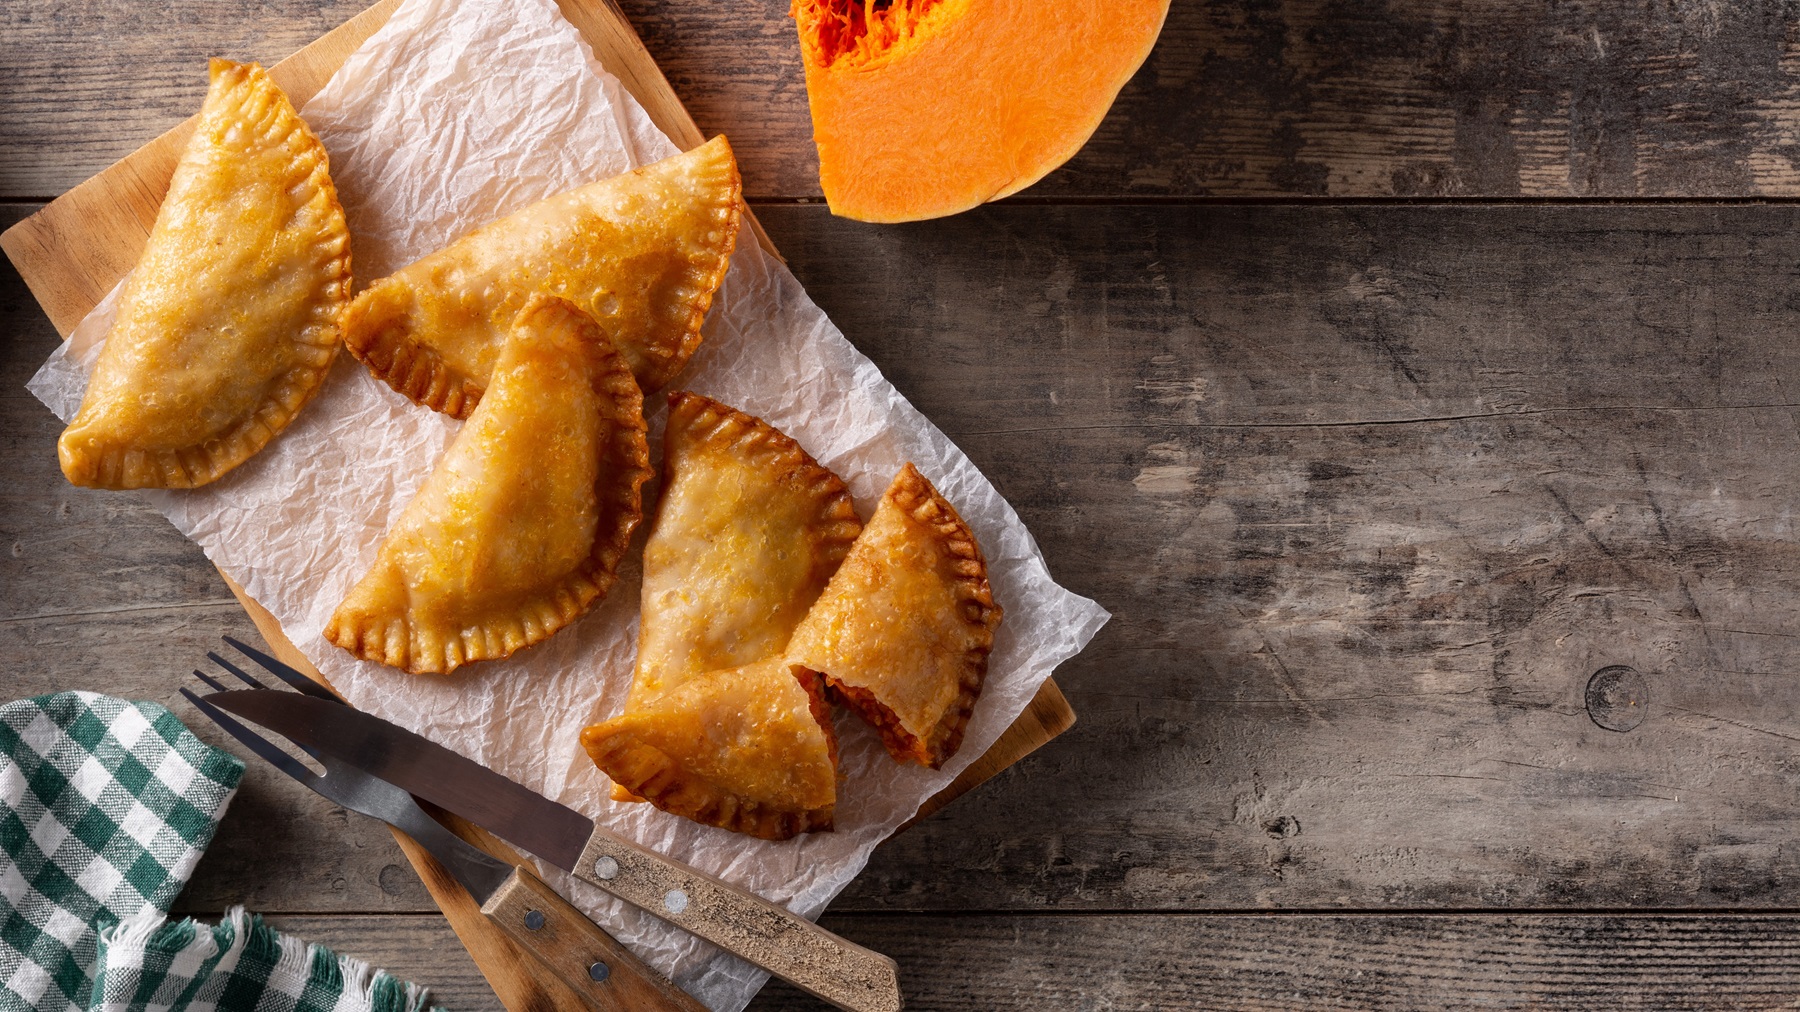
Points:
(749, 530)
(748, 533)
(642, 253)
(750, 749)
(228, 324)
(520, 528)
(903, 632)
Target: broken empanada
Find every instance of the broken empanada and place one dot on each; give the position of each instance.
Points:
(520, 528)
(903, 632)
(642, 253)
(748, 532)
(750, 749)
(228, 324)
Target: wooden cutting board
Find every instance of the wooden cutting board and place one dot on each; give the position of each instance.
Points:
(74, 250)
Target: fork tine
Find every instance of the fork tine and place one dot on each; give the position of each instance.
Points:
(254, 742)
(284, 672)
(234, 669)
(218, 686)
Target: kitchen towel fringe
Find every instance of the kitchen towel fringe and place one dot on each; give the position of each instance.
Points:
(151, 964)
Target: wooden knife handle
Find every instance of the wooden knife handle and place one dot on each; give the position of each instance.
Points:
(589, 960)
(787, 945)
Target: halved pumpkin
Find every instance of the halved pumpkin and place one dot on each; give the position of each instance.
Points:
(923, 108)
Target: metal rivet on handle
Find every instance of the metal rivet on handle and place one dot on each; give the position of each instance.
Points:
(534, 919)
(675, 900)
(606, 868)
(599, 971)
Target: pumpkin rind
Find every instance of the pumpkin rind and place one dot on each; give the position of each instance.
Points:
(931, 107)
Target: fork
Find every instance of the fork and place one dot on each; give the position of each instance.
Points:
(596, 967)
(345, 784)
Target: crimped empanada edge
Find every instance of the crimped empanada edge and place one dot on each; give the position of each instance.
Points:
(916, 497)
(398, 642)
(624, 470)
(414, 370)
(704, 420)
(650, 774)
(420, 374)
(120, 467)
(662, 365)
(625, 465)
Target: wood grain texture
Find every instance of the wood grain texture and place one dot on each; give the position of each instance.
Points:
(1248, 99)
(88, 83)
(1326, 98)
(1046, 716)
(1657, 963)
(1372, 492)
(518, 981)
(1462, 962)
(1122, 962)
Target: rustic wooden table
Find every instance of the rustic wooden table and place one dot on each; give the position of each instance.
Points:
(1388, 369)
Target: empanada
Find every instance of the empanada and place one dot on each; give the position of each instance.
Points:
(747, 534)
(749, 530)
(642, 253)
(750, 749)
(228, 324)
(903, 632)
(520, 528)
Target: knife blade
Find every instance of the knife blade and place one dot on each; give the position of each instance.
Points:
(603, 974)
(770, 936)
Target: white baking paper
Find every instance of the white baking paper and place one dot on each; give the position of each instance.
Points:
(455, 113)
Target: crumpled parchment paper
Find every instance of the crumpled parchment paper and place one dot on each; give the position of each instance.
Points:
(458, 112)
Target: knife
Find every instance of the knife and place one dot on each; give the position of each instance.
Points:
(772, 937)
(605, 975)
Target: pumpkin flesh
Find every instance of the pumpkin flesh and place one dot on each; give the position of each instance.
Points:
(923, 108)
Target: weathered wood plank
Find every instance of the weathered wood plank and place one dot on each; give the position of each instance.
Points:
(1325, 98)
(88, 83)
(1372, 493)
(1331, 962)
(1115, 962)
(1286, 98)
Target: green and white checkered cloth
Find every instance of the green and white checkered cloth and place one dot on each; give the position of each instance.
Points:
(105, 808)
(242, 963)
